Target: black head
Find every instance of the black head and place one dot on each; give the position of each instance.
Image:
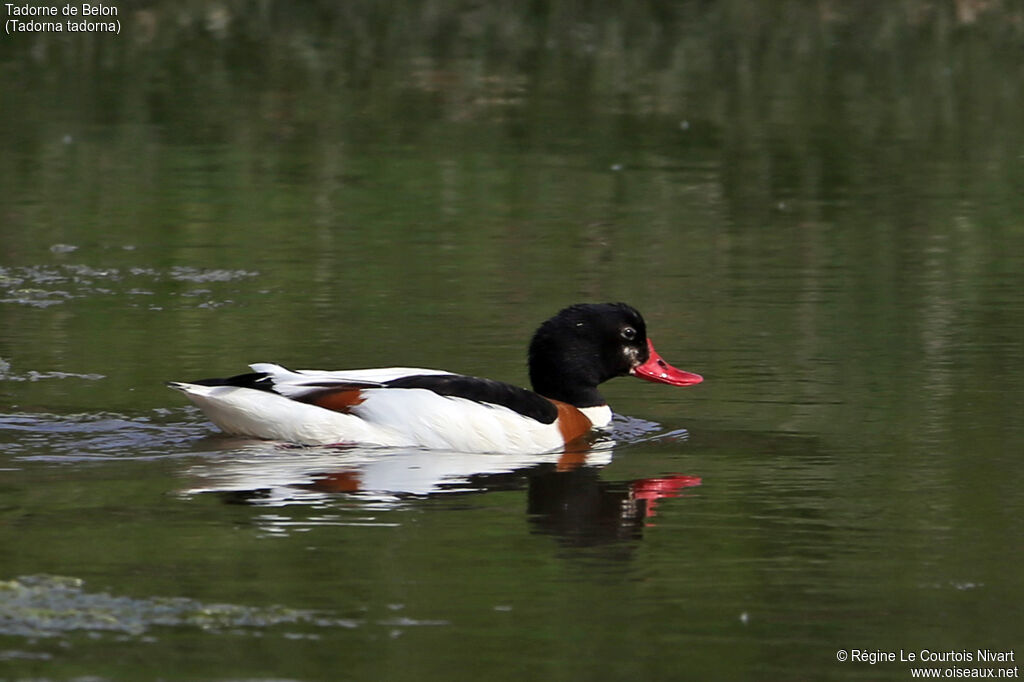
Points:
(589, 343)
(583, 346)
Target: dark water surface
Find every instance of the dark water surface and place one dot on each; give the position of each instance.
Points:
(818, 210)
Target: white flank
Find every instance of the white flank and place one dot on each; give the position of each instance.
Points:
(261, 414)
(448, 423)
(390, 417)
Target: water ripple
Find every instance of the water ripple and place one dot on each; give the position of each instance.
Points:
(42, 286)
(94, 436)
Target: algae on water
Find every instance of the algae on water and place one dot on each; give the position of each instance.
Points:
(49, 605)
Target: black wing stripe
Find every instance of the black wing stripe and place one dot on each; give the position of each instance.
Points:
(257, 380)
(526, 403)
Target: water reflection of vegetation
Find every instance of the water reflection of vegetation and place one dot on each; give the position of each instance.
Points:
(437, 157)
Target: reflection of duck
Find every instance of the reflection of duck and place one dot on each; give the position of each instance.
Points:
(570, 354)
(566, 495)
(583, 509)
(270, 475)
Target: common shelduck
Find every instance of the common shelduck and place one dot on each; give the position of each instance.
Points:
(570, 354)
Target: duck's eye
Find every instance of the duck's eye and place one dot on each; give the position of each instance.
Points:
(628, 333)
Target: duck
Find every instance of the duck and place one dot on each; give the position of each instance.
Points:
(569, 356)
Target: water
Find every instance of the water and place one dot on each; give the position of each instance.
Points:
(820, 214)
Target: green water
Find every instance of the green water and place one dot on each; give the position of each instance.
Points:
(817, 207)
